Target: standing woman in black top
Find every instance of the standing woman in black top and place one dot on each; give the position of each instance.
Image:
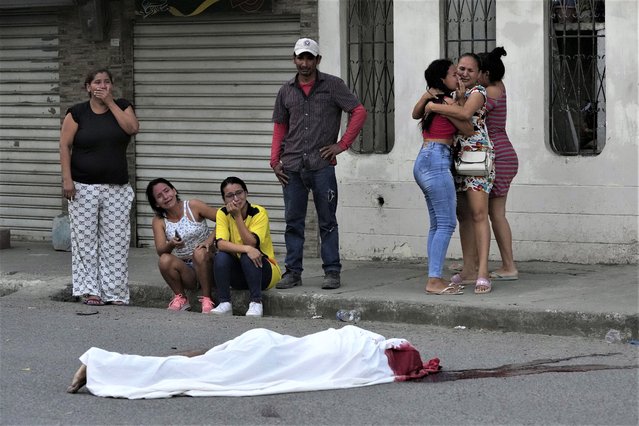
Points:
(95, 180)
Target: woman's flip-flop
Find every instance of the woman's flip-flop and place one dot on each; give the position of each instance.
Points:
(452, 289)
(482, 286)
(93, 301)
(495, 276)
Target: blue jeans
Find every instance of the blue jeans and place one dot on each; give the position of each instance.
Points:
(433, 175)
(241, 274)
(324, 186)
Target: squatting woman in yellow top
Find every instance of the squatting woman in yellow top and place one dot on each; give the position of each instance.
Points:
(245, 258)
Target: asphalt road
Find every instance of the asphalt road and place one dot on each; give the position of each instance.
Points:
(41, 341)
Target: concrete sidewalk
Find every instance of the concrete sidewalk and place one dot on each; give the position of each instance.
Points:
(548, 298)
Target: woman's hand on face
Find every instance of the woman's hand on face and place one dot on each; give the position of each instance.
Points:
(233, 209)
(461, 90)
(104, 95)
(255, 255)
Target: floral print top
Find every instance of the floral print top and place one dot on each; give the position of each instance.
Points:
(479, 141)
(190, 231)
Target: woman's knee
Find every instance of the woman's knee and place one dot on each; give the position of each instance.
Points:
(497, 209)
(479, 215)
(496, 217)
(166, 261)
(223, 260)
(246, 261)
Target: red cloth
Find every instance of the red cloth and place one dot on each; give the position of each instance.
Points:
(306, 87)
(407, 364)
(279, 131)
(355, 124)
(440, 128)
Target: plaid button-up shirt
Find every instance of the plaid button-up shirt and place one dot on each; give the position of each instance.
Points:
(313, 121)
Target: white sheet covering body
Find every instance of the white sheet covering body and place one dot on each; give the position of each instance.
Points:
(258, 362)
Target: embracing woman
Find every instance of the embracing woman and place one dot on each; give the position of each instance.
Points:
(472, 209)
(432, 169)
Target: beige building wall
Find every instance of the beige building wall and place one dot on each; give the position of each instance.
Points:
(567, 209)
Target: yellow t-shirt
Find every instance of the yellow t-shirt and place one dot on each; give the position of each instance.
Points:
(257, 223)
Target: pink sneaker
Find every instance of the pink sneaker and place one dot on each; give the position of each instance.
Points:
(179, 303)
(207, 304)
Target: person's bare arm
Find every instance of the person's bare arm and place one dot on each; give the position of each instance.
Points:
(465, 127)
(465, 112)
(202, 210)
(162, 245)
(67, 134)
(418, 109)
(126, 119)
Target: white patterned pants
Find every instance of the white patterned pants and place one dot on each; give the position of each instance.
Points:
(100, 238)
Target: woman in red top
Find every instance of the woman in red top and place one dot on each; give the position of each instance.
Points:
(432, 169)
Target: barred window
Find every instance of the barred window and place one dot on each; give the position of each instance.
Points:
(577, 76)
(370, 71)
(469, 26)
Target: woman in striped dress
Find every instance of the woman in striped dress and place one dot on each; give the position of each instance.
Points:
(506, 163)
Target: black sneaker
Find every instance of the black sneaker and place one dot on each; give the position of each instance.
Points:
(290, 279)
(331, 280)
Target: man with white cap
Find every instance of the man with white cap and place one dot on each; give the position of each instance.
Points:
(307, 118)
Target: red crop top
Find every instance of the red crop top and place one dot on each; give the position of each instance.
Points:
(440, 128)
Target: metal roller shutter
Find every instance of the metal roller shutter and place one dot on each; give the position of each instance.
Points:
(29, 125)
(205, 91)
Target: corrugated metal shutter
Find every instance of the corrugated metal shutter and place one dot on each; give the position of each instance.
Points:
(205, 91)
(29, 125)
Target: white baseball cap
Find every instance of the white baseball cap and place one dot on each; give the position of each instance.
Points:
(306, 45)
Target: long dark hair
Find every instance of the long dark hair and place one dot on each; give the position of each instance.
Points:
(492, 63)
(159, 211)
(434, 75)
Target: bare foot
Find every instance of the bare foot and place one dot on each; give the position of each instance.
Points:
(456, 266)
(461, 279)
(79, 379)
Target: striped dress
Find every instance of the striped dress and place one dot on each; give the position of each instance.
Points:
(506, 161)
